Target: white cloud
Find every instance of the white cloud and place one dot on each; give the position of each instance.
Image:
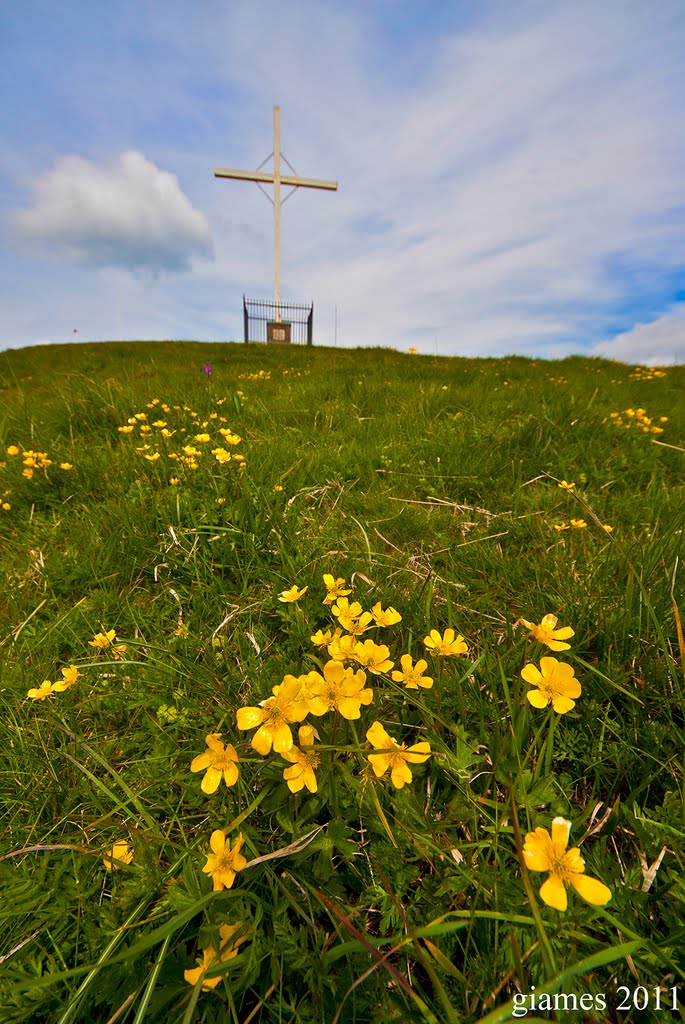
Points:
(658, 343)
(126, 213)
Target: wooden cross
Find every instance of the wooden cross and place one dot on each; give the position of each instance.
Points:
(277, 179)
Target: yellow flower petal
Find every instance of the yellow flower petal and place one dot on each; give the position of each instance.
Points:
(553, 893)
(531, 674)
(202, 761)
(248, 718)
(217, 841)
(261, 741)
(282, 737)
(210, 782)
(562, 704)
(561, 830)
(400, 774)
(591, 889)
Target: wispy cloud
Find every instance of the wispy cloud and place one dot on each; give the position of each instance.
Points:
(126, 213)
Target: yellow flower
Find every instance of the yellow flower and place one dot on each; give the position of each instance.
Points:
(556, 683)
(174, 481)
(6, 506)
(566, 486)
(412, 675)
(46, 689)
(229, 437)
(102, 640)
(65, 465)
(561, 526)
(303, 762)
(152, 458)
(545, 852)
(120, 851)
(335, 588)
(547, 633)
(221, 455)
(342, 648)
(397, 756)
(339, 689)
(274, 715)
(385, 618)
(223, 862)
(12, 449)
(118, 651)
(447, 644)
(321, 639)
(277, 487)
(373, 657)
(608, 528)
(291, 595)
(69, 677)
(217, 760)
(228, 949)
(578, 523)
(350, 616)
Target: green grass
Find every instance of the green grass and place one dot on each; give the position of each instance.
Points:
(430, 485)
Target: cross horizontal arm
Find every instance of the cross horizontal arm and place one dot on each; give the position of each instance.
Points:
(285, 179)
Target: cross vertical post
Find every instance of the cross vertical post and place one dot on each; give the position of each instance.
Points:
(276, 179)
(277, 211)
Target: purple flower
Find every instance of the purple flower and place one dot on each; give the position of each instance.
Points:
(208, 369)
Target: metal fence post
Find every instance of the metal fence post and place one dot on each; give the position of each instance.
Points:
(246, 328)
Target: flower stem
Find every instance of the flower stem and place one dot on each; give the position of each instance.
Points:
(550, 741)
(545, 945)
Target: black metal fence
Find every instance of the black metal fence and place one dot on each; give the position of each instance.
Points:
(261, 322)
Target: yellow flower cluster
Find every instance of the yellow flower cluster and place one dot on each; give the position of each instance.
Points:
(339, 688)
(578, 524)
(102, 641)
(646, 373)
(259, 375)
(555, 682)
(32, 461)
(191, 429)
(638, 419)
(47, 688)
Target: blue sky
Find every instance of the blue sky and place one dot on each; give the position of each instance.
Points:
(511, 172)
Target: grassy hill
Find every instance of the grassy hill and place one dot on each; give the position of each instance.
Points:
(164, 536)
